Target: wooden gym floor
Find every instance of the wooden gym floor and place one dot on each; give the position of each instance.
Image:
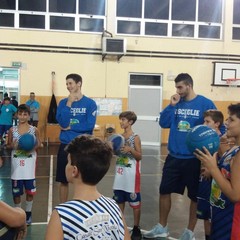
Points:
(47, 193)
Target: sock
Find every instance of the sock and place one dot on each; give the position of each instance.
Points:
(18, 205)
(29, 206)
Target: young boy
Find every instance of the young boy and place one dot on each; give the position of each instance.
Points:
(89, 215)
(225, 187)
(23, 164)
(213, 119)
(127, 175)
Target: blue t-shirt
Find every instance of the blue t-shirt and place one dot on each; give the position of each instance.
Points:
(180, 119)
(6, 115)
(81, 117)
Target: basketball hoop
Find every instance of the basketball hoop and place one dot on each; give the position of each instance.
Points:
(233, 82)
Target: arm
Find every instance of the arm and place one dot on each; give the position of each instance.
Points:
(63, 114)
(137, 151)
(39, 143)
(13, 217)
(35, 107)
(54, 228)
(166, 116)
(11, 144)
(231, 188)
(168, 113)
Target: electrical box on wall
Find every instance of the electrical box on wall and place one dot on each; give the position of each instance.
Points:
(114, 46)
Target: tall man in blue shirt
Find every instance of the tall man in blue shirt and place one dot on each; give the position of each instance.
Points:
(76, 115)
(181, 169)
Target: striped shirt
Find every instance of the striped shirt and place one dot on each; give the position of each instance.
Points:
(128, 170)
(23, 164)
(98, 219)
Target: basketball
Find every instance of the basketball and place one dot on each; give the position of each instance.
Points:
(27, 142)
(203, 136)
(117, 141)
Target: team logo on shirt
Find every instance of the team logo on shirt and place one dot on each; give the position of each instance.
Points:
(183, 126)
(215, 197)
(123, 161)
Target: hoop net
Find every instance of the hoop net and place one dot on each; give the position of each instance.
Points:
(233, 82)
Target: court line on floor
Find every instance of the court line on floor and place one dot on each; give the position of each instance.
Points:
(129, 228)
(50, 190)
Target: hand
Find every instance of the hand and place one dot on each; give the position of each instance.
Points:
(15, 144)
(175, 99)
(125, 149)
(208, 161)
(205, 173)
(21, 232)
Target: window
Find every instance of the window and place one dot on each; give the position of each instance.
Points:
(170, 18)
(70, 15)
(236, 20)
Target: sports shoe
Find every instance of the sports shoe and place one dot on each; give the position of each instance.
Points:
(187, 235)
(136, 233)
(29, 218)
(157, 231)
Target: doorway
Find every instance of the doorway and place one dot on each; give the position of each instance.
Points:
(145, 99)
(9, 82)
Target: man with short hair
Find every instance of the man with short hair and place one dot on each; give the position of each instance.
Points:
(76, 115)
(181, 169)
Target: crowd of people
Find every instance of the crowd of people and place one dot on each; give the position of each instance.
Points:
(212, 181)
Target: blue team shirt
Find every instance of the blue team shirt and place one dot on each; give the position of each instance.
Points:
(180, 119)
(81, 117)
(6, 115)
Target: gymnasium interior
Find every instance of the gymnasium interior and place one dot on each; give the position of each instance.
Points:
(128, 54)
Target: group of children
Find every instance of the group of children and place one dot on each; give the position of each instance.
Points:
(219, 190)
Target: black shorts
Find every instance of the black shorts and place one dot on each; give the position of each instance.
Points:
(178, 174)
(61, 164)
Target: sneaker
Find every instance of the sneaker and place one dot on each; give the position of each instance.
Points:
(29, 218)
(136, 233)
(187, 235)
(157, 231)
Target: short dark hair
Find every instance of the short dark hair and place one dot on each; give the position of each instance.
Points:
(7, 99)
(216, 116)
(92, 157)
(76, 77)
(13, 97)
(185, 77)
(129, 115)
(234, 109)
(23, 108)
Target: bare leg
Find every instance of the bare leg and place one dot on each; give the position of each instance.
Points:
(164, 208)
(121, 206)
(17, 200)
(136, 215)
(29, 197)
(207, 227)
(63, 192)
(192, 216)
